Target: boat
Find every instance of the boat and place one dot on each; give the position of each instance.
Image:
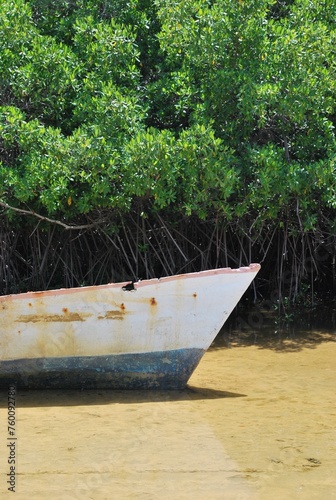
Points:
(150, 334)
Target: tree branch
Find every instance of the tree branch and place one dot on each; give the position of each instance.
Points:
(52, 221)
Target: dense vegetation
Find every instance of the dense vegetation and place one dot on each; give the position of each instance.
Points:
(175, 136)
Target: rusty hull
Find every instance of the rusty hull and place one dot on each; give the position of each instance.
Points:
(98, 333)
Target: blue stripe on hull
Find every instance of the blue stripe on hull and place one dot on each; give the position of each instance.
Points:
(155, 370)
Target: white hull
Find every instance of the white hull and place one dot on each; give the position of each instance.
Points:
(109, 325)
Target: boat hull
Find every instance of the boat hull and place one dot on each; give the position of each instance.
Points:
(146, 335)
(156, 370)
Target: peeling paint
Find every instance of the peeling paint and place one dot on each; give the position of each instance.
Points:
(49, 318)
(112, 315)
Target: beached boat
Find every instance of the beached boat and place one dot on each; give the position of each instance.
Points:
(150, 334)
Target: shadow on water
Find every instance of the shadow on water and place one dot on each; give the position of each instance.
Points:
(52, 397)
(266, 330)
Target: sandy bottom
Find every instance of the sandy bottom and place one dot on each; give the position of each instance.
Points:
(257, 422)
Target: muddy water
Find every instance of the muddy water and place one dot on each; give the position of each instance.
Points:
(258, 421)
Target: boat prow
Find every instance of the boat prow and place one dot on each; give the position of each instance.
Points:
(147, 335)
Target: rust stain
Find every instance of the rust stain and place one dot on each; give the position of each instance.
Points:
(65, 310)
(195, 295)
(122, 307)
(153, 301)
(112, 315)
(30, 304)
(49, 318)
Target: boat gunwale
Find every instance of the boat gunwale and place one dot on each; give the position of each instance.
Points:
(254, 267)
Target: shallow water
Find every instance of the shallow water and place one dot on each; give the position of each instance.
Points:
(257, 421)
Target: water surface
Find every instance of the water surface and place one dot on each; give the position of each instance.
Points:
(257, 421)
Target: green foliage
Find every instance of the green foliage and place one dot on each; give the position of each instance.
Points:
(107, 51)
(209, 107)
(16, 33)
(73, 174)
(46, 83)
(194, 172)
